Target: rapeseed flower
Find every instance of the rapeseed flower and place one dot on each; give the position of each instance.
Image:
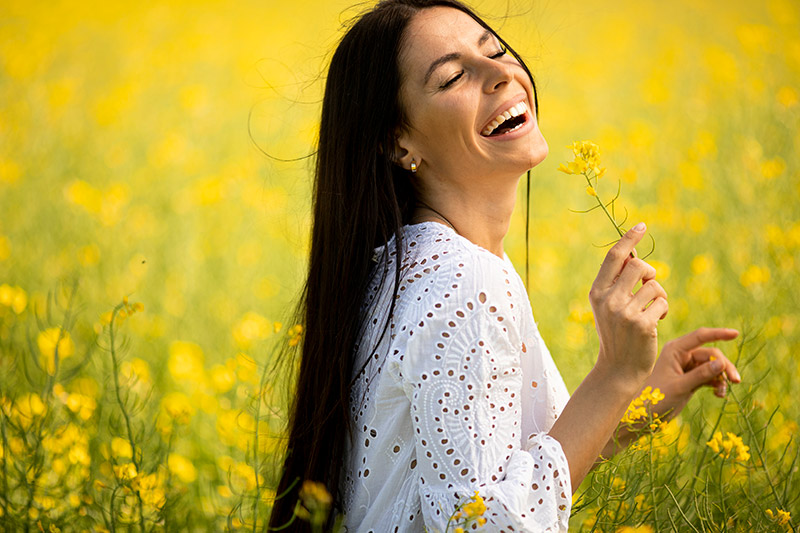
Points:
(121, 448)
(471, 512)
(178, 407)
(315, 503)
(54, 342)
(182, 468)
(125, 471)
(644, 528)
(84, 406)
(13, 297)
(781, 516)
(185, 360)
(250, 328)
(295, 333)
(586, 162)
(587, 159)
(637, 410)
(729, 445)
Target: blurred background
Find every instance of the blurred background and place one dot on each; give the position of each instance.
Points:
(160, 150)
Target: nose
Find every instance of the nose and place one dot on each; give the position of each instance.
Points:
(498, 74)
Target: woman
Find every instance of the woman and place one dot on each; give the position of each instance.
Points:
(423, 377)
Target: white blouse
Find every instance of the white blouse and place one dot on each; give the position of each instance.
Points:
(457, 395)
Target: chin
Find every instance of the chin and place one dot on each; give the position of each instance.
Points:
(538, 153)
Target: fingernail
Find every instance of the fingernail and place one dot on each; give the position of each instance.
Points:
(736, 377)
(716, 366)
(639, 227)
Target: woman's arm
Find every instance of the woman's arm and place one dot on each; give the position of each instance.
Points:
(626, 324)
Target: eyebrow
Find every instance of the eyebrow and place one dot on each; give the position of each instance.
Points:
(452, 57)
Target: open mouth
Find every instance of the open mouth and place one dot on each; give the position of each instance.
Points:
(509, 121)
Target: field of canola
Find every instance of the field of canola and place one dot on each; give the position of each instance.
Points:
(150, 252)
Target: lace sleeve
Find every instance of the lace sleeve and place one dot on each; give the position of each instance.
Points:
(462, 374)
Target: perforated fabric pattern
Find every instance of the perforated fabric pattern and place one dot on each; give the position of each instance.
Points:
(458, 396)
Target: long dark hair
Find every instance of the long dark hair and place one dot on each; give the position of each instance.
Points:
(361, 200)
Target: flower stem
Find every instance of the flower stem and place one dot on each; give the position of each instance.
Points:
(602, 206)
(117, 388)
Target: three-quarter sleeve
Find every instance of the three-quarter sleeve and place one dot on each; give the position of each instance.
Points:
(461, 371)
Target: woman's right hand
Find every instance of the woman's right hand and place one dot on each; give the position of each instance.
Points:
(627, 322)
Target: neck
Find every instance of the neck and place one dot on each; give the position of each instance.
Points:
(482, 216)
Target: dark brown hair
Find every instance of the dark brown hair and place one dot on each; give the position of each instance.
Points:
(361, 200)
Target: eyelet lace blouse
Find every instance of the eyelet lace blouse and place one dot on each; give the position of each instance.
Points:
(457, 395)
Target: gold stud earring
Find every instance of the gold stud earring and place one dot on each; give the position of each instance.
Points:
(413, 166)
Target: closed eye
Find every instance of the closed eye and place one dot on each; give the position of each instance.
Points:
(499, 54)
(455, 78)
(452, 80)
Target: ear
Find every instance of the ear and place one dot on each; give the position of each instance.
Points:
(404, 152)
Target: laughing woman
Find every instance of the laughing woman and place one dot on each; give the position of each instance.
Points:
(423, 376)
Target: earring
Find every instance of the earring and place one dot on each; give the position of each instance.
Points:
(413, 166)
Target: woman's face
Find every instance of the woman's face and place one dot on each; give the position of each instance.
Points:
(469, 106)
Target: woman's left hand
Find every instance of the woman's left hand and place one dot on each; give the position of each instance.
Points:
(685, 365)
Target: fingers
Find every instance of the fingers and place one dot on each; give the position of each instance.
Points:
(650, 290)
(633, 271)
(701, 336)
(616, 256)
(708, 354)
(658, 309)
(712, 368)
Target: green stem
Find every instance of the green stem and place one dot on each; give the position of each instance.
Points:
(5, 467)
(755, 442)
(653, 483)
(722, 496)
(117, 390)
(602, 206)
(680, 510)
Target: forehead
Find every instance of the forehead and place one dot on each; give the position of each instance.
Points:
(434, 32)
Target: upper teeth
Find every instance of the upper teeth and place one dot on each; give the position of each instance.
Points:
(514, 111)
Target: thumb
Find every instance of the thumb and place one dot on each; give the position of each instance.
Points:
(703, 374)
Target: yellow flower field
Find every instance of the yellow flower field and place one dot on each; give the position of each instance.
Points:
(154, 189)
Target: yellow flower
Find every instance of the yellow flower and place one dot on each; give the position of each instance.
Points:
(587, 158)
(151, 489)
(13, 297)
(222, 378)
(316, 502)
(780, 515)
(125, 472)
(178, 407)
(644, 528)
(754, 275)
(182, 468)
(590, 191)
(27, 408)
(295, 333)
(476, 507)
(121, 448)
(637, 409)
(715, 442)
(81, 404)
(135, 371)
(185, 361)
(726, 446)
(54, 342)
(251, 327)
